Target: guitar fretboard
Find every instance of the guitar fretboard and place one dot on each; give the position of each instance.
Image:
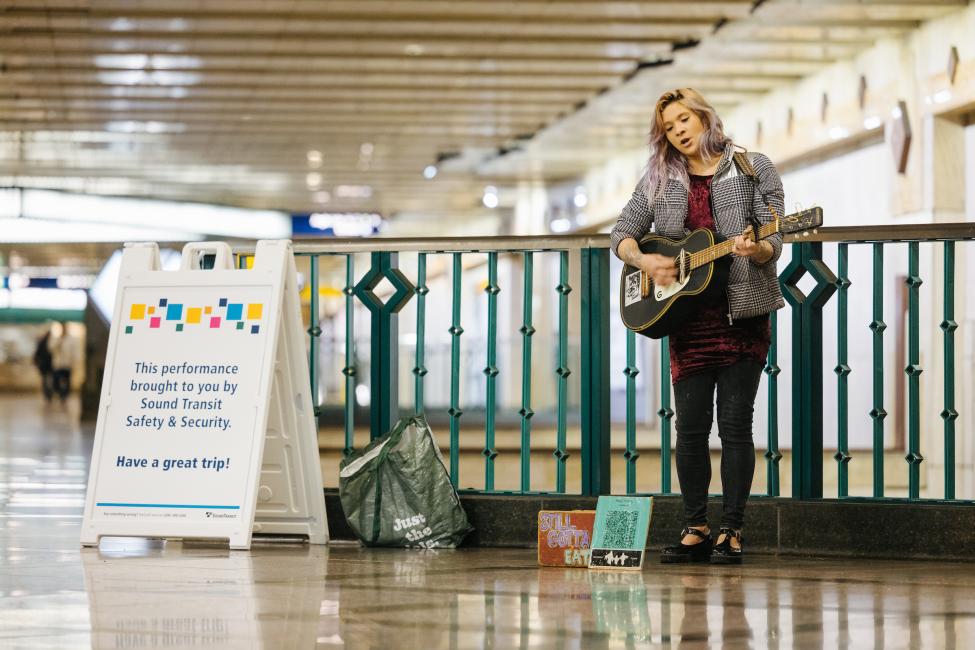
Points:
(721, 249)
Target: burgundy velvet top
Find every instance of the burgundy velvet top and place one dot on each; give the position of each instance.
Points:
(707, 340)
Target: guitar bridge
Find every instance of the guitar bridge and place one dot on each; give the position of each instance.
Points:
(683, 264)
(644, 284)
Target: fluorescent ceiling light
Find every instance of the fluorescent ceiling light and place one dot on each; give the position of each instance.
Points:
(174, 221)
(872, 122)
(43, 298)
(22, 231)
(9, 203)
(353, 191)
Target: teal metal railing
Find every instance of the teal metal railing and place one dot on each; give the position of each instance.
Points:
(803, 257)
(878, 242)
(383, 343)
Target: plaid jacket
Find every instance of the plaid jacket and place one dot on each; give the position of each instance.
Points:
(753, 289)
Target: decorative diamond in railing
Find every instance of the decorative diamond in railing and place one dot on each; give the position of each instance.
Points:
(773, 455)
(914, 458)
(948, 325)
(365, 289)
(817, 270)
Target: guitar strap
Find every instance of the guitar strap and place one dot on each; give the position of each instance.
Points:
(746, 168)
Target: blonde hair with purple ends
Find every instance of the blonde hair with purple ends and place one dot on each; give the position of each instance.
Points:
(667, 162)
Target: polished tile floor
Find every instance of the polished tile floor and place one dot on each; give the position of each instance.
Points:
(134, 593)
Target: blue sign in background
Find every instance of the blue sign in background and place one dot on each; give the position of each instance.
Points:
(301, 225)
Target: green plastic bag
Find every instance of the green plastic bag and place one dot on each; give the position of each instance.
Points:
(396, 491)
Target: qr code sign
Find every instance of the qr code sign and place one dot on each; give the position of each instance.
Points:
(632, 289)
(620, 529)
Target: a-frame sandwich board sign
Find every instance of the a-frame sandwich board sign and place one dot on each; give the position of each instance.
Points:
(206, 426)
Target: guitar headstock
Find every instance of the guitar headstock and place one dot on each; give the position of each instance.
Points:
(799, 221)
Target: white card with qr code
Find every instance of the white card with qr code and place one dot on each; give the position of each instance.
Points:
(620, 532)
(631, 289)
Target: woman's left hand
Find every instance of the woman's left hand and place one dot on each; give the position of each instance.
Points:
(745, 247)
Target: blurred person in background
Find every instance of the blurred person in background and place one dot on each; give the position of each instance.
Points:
(65, 351)
(42, 359)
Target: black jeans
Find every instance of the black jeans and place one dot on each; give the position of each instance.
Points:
(694, 399)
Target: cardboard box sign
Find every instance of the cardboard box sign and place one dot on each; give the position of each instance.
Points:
(564, 537)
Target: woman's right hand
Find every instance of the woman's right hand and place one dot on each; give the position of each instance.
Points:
(661, 269)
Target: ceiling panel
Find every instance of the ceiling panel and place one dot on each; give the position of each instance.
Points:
(222, 100)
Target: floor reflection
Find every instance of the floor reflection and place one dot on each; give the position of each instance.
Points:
(149, 593)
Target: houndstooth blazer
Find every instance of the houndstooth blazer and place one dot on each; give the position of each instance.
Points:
(753, 289)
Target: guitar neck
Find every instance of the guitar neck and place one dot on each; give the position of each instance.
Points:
(721, 249)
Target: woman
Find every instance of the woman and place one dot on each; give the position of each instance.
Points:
(692, 181)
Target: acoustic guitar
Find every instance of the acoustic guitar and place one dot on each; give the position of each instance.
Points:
(702, 267)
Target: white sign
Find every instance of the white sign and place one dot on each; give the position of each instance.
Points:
(205, 426)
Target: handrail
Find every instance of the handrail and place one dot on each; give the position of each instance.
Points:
(901, 233)
(452, 244)
(887, 233)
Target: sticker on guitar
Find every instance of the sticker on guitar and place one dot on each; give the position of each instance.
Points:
(632, 291)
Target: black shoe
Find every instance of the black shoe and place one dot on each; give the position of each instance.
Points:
(725, 553)
(699, 552)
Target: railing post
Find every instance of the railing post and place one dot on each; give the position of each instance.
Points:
(384, 349)
(595, 371)
(807, 366)
(315, 335)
